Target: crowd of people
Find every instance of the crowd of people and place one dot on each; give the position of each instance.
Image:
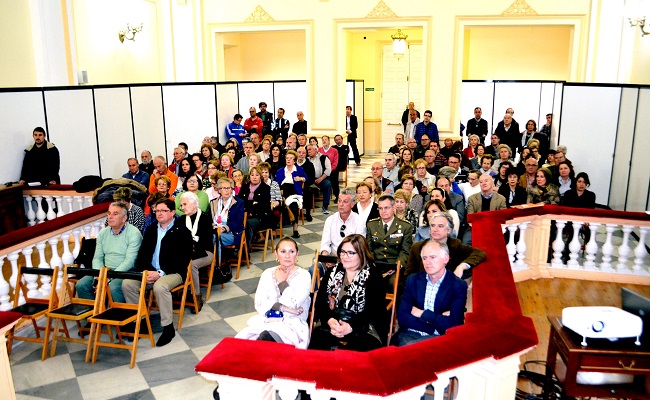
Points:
(411, 209)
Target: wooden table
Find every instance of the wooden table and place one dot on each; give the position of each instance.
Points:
(620, 358)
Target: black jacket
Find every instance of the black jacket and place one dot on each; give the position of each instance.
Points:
(204, 232)
(260, 206)
(41, 164)
(520, 195)
(175, 249)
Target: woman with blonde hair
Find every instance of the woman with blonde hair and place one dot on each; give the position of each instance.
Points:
(402, 209)
(422, 176)
(365, 207)
(415, 200)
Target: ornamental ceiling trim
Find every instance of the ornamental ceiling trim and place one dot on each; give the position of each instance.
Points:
(259, 15)
(381, 10)
(519, 7)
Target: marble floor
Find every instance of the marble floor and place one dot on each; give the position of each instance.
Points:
(166, 372)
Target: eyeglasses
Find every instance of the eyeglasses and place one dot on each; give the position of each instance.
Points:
(162, 211)
(421, 168)
(192, 181)
(348, 253)
(342, 232)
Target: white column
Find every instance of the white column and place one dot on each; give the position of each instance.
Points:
(511, 247)
(31, 214)
(59, 206)
(46, 281)
(639, 250)
(77, 245)
(30, 279)
(80, 202)
(69, 199)
(67, 257)
(55, 261)
(5, 300)
(558, 246)
(50, 208)
(591, 248)
(13, 259)
(40, 214)
(574, 246)
(624, 249)
(96, 228)
(608, 249)
(521, 246)
(89, 201)
(86, 229)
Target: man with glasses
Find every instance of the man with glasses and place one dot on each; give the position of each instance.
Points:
(528, 177)
(165, 253)
(227, 215)
(253, 123)
(389, 238)
(471, 186)
(461, 172)
(377, 172)
(135, 173)
(391, 169)
(430, 159)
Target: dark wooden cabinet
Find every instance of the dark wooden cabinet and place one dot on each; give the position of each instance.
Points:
(12, 209)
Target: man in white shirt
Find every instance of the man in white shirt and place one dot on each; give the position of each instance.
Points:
(391, 169)
(342, 223)
(471, 186)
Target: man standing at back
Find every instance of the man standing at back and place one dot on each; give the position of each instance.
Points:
(342, 165)
(41, 162)
(281, 126)
(351, 125)
(426, 127)
(235, 130)
(477, 125)
(253, 123)
(267, 119)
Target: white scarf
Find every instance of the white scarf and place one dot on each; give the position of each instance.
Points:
(193, 227)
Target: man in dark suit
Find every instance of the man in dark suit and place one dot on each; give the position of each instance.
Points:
(433, 300)
(267, 119)
(281, 127)
(486, 200)
(462, 258)
(386, 184)
(342, 165)
(389, 238)
(165, 254)
(351, 125)
(477, 125)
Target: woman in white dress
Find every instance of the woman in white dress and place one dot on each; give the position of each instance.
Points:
(282, 301)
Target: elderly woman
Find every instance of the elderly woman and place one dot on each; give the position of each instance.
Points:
(376, 188)
(476, 162)
(227, 215)
(291, 178)
(281, 301)
(197, 222)
(350, 304)
(504, 153)
(227, 163)
(402, 208)
(542, 190)
(193, 184)
(365, 207)
(432, 207)
(423, 177)
(266, 149)
(136, 218)
(163, 184)
(470, 151)
(415, 201)
(276, 194)
(257, 203)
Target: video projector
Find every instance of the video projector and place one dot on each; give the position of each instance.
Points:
(602, 323)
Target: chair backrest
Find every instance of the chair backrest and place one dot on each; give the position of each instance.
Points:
(67, 290)
(21, 286)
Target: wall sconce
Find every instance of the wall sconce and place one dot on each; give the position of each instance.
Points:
(640, 22)
(399, 44)
(129, 32)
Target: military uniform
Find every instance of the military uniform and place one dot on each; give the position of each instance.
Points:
(392, 245)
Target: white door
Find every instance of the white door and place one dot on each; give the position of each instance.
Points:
(402, 82)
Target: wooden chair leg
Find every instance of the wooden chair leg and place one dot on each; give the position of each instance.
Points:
(48, 321)
(266, 243)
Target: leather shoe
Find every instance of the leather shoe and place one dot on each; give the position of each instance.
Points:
(167, 335)
(295, 235)
(308, 218)
(199, 302)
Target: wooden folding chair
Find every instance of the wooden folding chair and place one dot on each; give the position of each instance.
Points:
(76, 309)
(242, 251)
(33, 308)
(184, 288)
(315, 280)
(206, 281)
(268, 242)
(341, 180)
(388, 270)
(118, 315)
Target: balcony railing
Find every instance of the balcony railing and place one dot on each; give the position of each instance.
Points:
(60, 197)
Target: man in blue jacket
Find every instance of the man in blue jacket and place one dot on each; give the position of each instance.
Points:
(433, 300)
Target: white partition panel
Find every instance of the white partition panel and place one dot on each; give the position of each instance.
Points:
(637, 199)
(522, 97)
(114, 130)
(71, 120)
(546, 99)
(591, 103)
(227, 107)
(20, 113)
(478, 94)
(250, 95)
(292, 96)
(624, 139)
(190, 115)
(557, 109)
(148, 120)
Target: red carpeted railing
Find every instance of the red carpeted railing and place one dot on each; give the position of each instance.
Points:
(496, 328)
(31, 232)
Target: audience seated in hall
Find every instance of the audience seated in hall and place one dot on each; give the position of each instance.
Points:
(179, 155)
(486, 200)
(342, 223)
(227, 215)
(291, 179)
(433, 300)
(307, 192)
(193, 184)
(160, 169)
(147, 163)
(323, 170)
